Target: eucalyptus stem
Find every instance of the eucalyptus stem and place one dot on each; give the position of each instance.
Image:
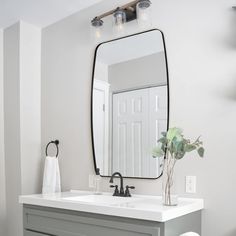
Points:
(171, 161)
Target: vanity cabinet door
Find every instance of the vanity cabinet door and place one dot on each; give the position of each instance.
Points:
(55, 222)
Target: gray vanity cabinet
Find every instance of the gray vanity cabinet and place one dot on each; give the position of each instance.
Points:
(42, 221)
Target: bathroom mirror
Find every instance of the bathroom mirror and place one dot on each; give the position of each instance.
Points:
(129, 104)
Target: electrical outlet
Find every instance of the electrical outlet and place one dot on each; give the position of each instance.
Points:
(91, 181)
(191, 184)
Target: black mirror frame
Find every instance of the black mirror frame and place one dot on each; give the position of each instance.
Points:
(91, 108)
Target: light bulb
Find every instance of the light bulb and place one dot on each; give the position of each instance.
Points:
(119, 21)
(96, 28)
(97, 32)
(143, 9)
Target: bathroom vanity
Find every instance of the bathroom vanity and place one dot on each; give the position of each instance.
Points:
(80, 213)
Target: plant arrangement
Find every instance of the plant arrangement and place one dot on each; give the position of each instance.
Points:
(173, 146)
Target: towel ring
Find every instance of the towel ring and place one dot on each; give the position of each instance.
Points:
(56, 142)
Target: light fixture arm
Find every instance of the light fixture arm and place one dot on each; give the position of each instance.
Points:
(129, 6)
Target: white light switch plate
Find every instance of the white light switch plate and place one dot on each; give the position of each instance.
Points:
(191, 184)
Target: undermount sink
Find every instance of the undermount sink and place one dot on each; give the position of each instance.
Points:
(102, 199)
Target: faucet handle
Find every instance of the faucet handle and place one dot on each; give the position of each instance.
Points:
(127, 192)
(116, 192)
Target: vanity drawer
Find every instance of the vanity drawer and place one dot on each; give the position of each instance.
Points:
(56, 222)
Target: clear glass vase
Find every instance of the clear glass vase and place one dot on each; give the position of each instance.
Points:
(169, 193)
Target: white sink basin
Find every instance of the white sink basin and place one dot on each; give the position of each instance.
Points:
(102, 199)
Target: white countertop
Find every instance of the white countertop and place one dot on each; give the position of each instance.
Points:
(137, 207)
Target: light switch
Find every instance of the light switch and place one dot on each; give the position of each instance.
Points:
(191, 184)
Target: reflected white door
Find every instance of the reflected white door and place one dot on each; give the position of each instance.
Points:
(139, 117)
(100, 124)
(130, 132)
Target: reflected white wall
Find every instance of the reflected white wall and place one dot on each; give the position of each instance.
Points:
(138, 73)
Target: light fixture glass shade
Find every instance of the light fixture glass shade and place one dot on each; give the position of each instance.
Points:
(143, 9)
(119, 19)
(96, 28)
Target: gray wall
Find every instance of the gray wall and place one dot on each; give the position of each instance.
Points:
(2, 160)
(201, 43)
(138, 73)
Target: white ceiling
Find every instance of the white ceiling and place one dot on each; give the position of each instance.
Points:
(39, 12)
(130, 48)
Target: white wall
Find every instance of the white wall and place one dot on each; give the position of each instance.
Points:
(2, 161)
(30, 117)
(201, 48)
(22, 51)
(12, 127)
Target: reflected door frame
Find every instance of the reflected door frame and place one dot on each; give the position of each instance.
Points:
(104, 87)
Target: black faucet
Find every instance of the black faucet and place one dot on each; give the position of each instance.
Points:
(120, 193)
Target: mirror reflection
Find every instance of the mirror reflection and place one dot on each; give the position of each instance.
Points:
(129, 105)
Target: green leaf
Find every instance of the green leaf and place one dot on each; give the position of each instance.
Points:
(190, 147)
(201, 151)
(162, 140)
(174, 132)
(163, 134)
(157, 152)
(179, 155)
(178, 145)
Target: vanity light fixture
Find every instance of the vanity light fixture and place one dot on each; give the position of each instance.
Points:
(138, 9)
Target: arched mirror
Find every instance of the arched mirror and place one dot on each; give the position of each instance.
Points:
(130, 105)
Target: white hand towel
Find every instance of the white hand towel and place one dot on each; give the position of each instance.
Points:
(51, 177)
